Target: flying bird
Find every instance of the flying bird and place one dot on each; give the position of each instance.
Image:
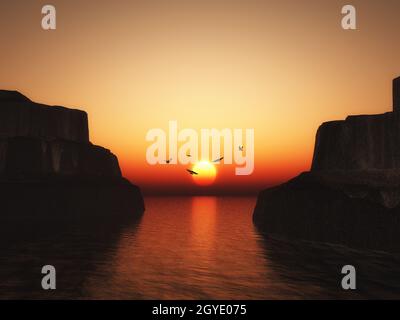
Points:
(191, 172)
(169, 160)
(240, 148)
(218, 160)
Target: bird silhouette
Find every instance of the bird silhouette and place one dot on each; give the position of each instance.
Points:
(169, 160)
(240, 148)
(218, 160)
(191, 172)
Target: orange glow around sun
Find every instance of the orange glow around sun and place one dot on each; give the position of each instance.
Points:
(206, 173)
(205, 64)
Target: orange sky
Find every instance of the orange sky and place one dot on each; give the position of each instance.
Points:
(280, 67)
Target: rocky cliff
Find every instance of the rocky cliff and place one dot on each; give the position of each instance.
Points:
(396, 94)
(37, 140)
(48, 164)
(358, 143)
(19, 116)
(351, 195)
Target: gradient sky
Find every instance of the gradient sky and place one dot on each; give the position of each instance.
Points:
(280, 67)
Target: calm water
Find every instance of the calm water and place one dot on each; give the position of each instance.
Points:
(186, 248)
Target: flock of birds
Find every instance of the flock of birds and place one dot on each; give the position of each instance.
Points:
(194, 172)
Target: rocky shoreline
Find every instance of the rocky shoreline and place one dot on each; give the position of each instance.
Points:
(49, 168)
(351, 196)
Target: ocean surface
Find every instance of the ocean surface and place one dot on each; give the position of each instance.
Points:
(185, 248)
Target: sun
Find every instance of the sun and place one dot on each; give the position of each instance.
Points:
(206, 173)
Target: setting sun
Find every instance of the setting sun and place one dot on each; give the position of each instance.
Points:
(206, 173)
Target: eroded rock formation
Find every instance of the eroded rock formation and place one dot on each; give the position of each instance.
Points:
(46, 155)
(351, 195)
(20, 117)
(358, 143)
(396, 94)
(40, 140)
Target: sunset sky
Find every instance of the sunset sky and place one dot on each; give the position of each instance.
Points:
(279, 67)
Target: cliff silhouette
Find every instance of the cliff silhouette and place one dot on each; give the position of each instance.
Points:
(49, 168)
(351, 195)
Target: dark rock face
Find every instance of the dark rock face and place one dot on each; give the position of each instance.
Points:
(70, 199)
(334, 209)
(47, 163)
(24, 157)
(396, 94)
(19, 116)
(352, 194)
(359, 143)
(40, 140)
